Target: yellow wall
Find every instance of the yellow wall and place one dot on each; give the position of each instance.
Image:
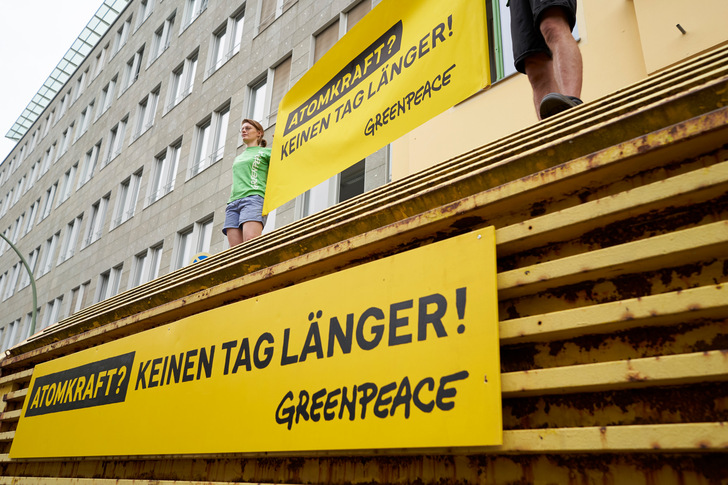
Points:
(621, 42)
(704, 22)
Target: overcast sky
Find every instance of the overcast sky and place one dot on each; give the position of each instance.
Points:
(34, 36)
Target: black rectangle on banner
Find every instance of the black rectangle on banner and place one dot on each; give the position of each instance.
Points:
(94, 384)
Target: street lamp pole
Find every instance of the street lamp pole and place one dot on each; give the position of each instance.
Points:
(32, 283)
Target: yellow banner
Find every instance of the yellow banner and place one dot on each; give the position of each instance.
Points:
(402, 352)
(402, 64)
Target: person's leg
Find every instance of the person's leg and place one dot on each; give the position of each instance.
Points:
(540, 72)
(567, 64)
(251, 229)
(235, 236)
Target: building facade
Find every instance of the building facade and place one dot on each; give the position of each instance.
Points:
(611, 242)
(125, 174)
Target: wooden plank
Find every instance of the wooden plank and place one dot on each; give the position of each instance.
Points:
(665, 308)
(663, 370)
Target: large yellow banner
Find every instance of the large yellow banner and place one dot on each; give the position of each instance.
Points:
(397, 353)
(402, 64)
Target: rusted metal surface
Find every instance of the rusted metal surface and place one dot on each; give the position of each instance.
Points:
(612, 241)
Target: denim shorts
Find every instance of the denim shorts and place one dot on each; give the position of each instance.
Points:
(243, 210)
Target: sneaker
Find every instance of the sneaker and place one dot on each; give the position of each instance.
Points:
(555, 103)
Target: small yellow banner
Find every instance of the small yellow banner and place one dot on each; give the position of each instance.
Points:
(402, 352)
(402, 64)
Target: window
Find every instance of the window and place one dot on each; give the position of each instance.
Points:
(52, 312)
(31, 216)
(271, 10)
(183, 78)
(219, 49)
(64, 104)
(145, 112)
(17, 228)
(499, 41)
(32, 263)
(257, 100)
(357, 13)
(49, 252)
(165, 171)
(50, 195)
(107, 96)
(100, 58)
(116, 140)
(3, 280)
(350, 182)
(12, 280)
(122, 34)
(210, 140)
(133, 66)
(65, 140)
(48, 121)
(96, 220)
(80, 84)
(193, 240)
(32, 175)
(12, 332)
(146, 265)
(68, 178)
(47, 157)
(89, 165)
(68, 247)
(202, 137)
(162, 36)
(84, 120)
(193, 9)
(108, 283)
(281, 78)
(226, 40)
(33, 141)
(18, 190)
(78, 296)
(126, 202)
(145, 10)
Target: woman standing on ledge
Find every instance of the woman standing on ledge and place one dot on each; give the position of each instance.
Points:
(244, 213)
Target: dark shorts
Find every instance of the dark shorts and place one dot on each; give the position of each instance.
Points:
(243, 210)
(525, 32)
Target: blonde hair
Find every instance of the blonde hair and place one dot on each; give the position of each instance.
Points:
(259, 127)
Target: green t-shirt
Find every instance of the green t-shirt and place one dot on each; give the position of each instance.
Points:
(250, 172)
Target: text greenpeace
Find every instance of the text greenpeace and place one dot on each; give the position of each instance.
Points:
(399, 66)
(368, 357)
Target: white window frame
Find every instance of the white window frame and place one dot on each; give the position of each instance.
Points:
(165, 172)
(49, 253)
(146, 265)
(193, 9)
(70, 239)
(66, 187)
(116, 141)
(95, 225)
(162, 37)
(32, 263)
(48, 204)
(146, 110)
(90, 161)
(127, 198)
